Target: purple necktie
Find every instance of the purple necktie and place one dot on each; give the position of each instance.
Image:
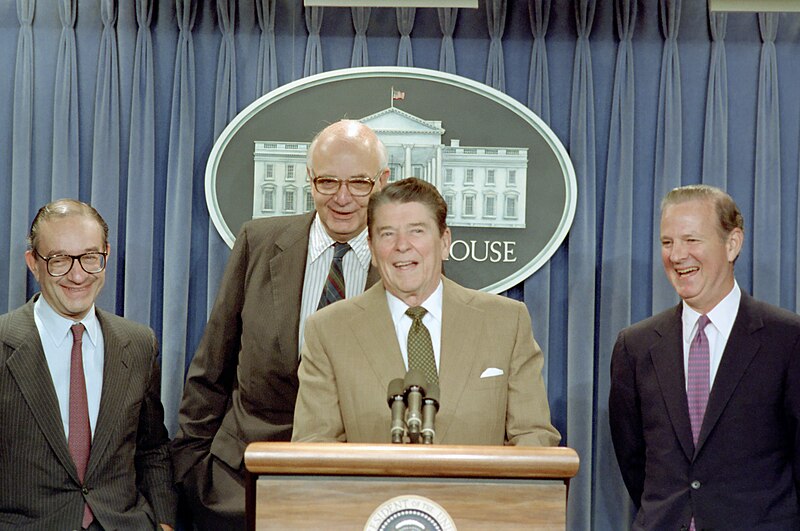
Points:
(697, 387)
(80, 434)
(697, 380)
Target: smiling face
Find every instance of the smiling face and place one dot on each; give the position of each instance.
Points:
(408, 250)
(697, 257)
(72, 295)
(345, 150)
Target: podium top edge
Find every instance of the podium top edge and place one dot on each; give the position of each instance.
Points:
(354, 459)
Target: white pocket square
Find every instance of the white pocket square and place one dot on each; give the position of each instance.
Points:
(491, 371)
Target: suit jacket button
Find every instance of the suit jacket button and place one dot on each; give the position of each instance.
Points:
(695, 484)
(85, 490)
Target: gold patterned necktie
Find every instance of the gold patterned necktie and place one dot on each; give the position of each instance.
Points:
(420, 346)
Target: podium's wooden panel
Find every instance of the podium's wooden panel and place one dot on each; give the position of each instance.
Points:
(296, 502)
(336, 486)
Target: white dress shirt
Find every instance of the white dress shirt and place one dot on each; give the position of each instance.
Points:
(722, 317)
(355, 266)
(432, 321)
(56, 336)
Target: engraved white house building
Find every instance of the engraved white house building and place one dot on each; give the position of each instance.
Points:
(483, 186)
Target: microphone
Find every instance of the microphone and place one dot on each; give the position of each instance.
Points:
(430, 405)
(396, 399)
(415, 391)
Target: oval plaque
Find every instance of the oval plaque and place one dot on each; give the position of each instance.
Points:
(508, 181)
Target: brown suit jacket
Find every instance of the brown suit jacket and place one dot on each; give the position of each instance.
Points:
(128, 480)
(242, 383)
(351, 354)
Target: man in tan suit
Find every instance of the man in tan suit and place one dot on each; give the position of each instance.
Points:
(488, 364)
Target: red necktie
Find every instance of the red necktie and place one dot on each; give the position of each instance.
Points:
(80, 434)
(697, 382)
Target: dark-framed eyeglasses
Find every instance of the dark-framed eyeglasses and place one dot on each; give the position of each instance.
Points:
(357, 186)
(59, 265)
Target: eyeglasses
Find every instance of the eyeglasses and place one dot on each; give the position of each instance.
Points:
(59, 265)
(357, 186)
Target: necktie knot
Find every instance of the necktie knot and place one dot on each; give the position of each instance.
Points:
(416, 312)
(77, 332)
(340, 249)
(702, 322)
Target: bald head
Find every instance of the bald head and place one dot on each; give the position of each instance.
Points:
(345, 151)
(351, 133)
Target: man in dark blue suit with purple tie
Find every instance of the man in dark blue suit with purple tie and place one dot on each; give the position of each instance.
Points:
(705, 397)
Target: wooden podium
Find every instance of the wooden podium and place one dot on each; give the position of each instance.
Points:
(344, 486)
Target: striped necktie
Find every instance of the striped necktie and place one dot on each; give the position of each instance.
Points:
(334, 285)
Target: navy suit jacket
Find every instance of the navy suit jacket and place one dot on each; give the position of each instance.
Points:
(745, 471)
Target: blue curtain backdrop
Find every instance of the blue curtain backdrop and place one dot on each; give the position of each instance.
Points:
(109, 101)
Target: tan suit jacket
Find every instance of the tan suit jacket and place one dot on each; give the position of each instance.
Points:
(128, 481)
(351, 354)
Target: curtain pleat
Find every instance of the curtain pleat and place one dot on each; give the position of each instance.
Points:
(447, 52)
(767, 192)
(538, 78)
(360, 55)
(669, 133)
(617, 256)
(21, 153)
(313, 60)
(267, 74)
(178, 216)
(106, 175)
(581, 271)
(225, 109)
(715, 132)
(537, 286)
(65, 174)
(495, 66)
(140, 207)
(405, 24)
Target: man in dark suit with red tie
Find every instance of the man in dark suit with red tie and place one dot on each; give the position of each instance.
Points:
(705, 397)
(82, 437)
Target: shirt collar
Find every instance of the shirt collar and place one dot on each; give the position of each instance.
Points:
(319, 240)
(722, 316)
(433, 304)
(58, 326)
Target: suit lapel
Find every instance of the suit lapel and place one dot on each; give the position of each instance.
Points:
(462, 330)
(667, 358)
(287, 285)
(739, 352)
(29, 369)
(116, 378)
(378, 341)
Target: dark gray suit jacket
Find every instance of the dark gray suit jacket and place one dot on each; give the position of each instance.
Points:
(242, 383)
(128, 480)
(745, 471)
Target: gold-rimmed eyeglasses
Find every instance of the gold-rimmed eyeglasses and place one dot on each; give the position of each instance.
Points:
(59, 265)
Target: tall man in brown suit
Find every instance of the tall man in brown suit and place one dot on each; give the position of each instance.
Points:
(82, 436)
(242, 383)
